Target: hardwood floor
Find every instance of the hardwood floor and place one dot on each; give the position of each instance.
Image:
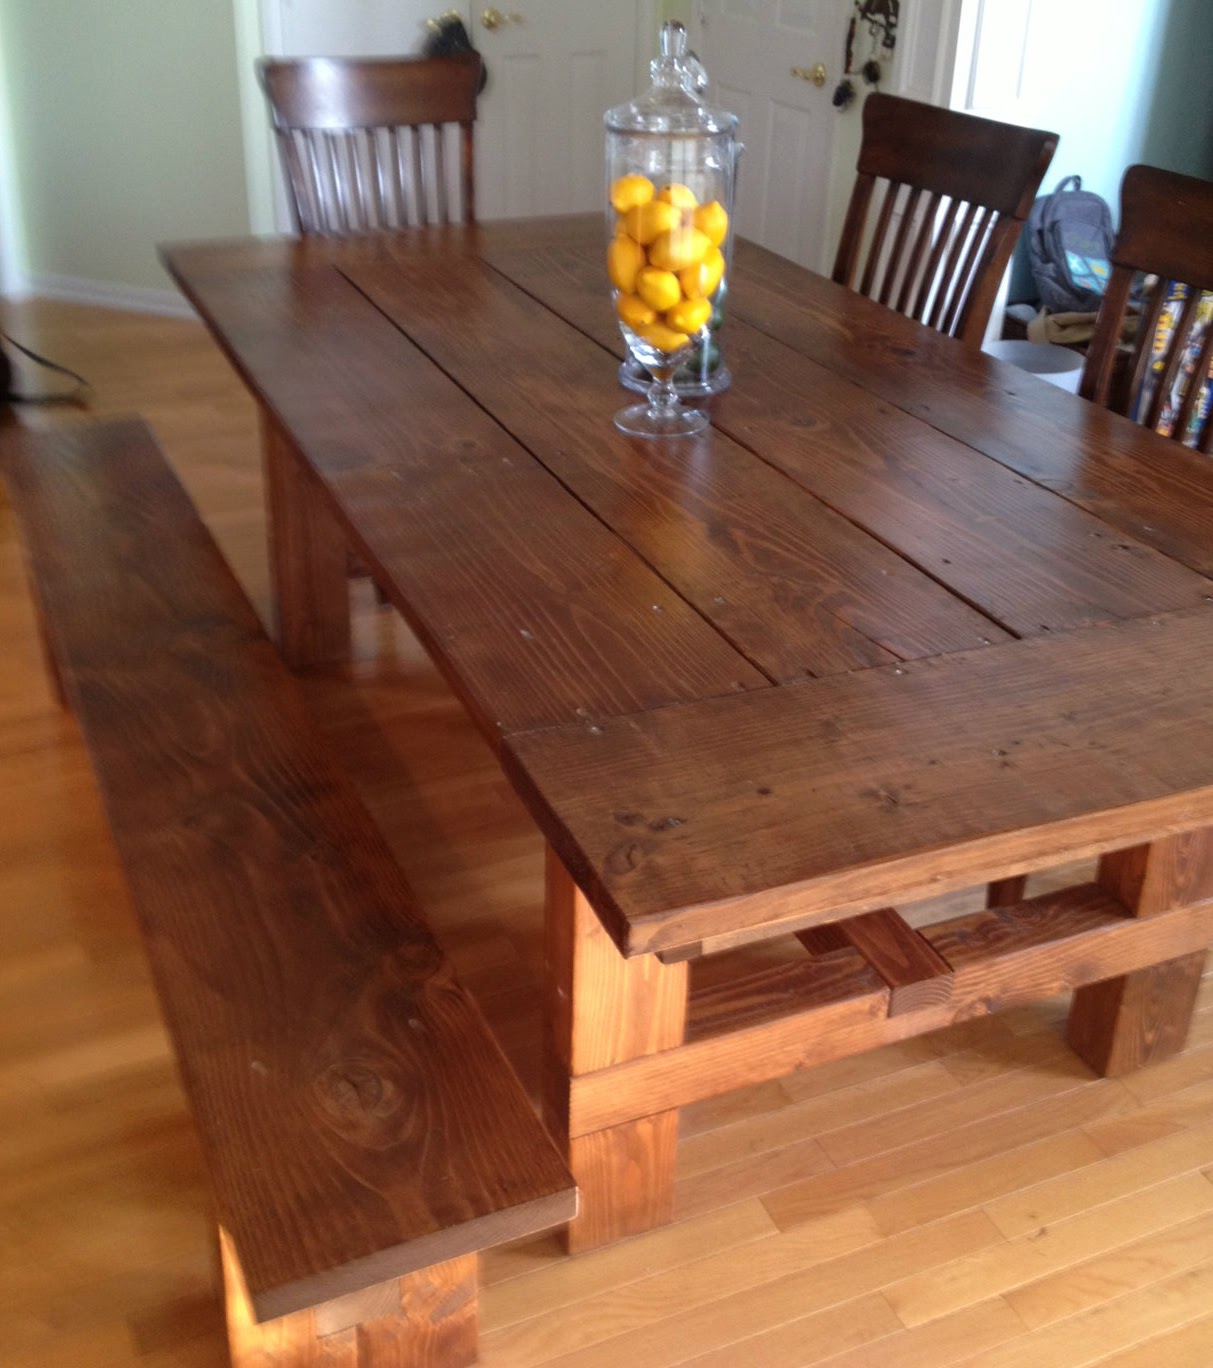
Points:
(974, 1198)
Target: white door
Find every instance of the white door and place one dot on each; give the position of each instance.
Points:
(795, 175)
(554, 67)
(786, 123)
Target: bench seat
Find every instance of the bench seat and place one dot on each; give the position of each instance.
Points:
(365, 1136)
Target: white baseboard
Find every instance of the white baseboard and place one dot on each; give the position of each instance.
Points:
(133, 298)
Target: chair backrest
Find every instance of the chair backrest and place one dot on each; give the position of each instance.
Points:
(940, 200)
(367, 143)
(1161, 379)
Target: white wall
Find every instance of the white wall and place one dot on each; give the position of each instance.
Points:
(1084, 70)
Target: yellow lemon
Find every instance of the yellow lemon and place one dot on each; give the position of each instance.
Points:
(663, 338)
(678, 249)
(681, 196)
(647, 221)
(624, 258)
(700, 282)
(658, 288)
(630, 190)
(635, 312)
(689, 315)
(712, 221)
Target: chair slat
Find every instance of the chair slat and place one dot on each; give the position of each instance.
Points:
(894, 266)
(931, 272)
(1165, 234)
(928, 215)
(966, 276)
(876, 247)
(951, 268)
(944, 155)
(367, 167)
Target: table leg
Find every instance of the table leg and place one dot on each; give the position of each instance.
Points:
(1119, 1024)
(308, 559)
(604, 1009)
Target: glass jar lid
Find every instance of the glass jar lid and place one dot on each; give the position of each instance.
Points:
(674, 102)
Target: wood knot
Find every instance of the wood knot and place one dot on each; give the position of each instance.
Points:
(350, 1093)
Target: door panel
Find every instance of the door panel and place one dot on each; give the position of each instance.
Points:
(552, 75)
(787, 124)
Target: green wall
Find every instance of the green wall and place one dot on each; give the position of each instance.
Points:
(1179, 121)
(125, 126)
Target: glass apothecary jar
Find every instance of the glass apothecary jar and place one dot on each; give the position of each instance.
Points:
(671, 162)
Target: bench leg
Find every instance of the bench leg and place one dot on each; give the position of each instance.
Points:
(1122, 1023)
(604, 1009)
(308, 559)
(426, 1319)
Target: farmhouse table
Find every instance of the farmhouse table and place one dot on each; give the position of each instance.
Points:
(904, 620)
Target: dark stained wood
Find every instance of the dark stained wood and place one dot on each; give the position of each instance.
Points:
(450, 393)
(1121, 1023)
(1028, 560)
(502, 575)
(1001, 959)
(939, 201)
(917, 975)
(780, 990)
(797, 587)
(358, 1118)
(923, 777)
(350, 135)
(308, 557)
(1125, 475)
(603, 1010)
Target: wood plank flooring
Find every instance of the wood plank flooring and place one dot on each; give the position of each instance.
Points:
(971, 1198)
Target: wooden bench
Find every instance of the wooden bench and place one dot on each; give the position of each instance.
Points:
(363, 1132)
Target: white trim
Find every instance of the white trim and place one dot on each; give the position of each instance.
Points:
(259, 31)
(13, 257)
(107, 294)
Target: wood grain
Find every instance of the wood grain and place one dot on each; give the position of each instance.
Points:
(999, 959)
(358, 1118)
(511, 606)
(917, 975)
(107, 1257)
(603, 1010)
(798, 587)
(923, 777)
(1104, 463)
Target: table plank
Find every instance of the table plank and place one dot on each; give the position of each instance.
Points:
(807, 803)
(505, 578)
(799, 589)
(1031, 560)
(1146, 486)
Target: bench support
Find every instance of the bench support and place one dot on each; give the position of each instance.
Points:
(426, 1319)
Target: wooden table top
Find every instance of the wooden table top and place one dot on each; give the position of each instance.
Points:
(905, 618)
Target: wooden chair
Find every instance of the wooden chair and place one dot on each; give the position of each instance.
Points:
(363, 140)
(1166, 232)
(940, 199)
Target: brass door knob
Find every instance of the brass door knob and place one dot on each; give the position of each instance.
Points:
(493, 19)
(815, 74)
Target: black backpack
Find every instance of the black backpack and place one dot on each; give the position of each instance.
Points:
(1069, 240)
